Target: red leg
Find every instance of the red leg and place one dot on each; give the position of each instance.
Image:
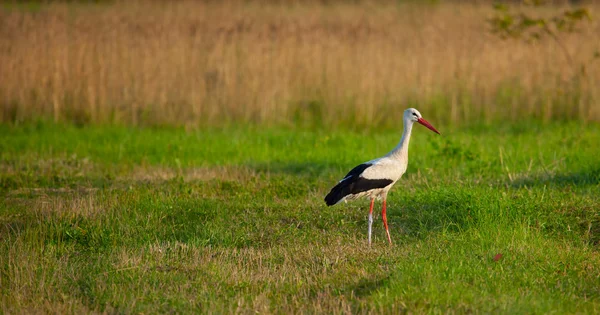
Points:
(371, 219)
(383, 216)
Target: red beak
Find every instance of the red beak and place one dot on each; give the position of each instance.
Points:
(428, 125)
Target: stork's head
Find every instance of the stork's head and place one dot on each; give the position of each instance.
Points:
(412, 115)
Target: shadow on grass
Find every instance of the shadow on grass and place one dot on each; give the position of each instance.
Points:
(588, 177)
(419, 216)
(309, 168)
(365, 286)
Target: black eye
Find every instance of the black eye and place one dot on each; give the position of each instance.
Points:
(415, 114)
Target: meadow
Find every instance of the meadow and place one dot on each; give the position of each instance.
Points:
(129, 220)
(173, 158)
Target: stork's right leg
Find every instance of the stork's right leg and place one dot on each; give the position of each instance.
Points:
(384, 217)
(371, 219)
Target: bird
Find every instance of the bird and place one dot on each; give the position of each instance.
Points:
(375, 178)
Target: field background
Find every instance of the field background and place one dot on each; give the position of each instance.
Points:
(189, 63)
(172, 157)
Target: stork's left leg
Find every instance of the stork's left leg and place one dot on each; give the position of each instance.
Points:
(371, 219)
(383, 216)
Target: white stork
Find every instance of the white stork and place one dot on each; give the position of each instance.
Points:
(374, 178)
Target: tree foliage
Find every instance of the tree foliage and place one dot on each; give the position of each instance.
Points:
(508, 24)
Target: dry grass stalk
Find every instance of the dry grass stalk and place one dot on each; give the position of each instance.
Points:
(225, 173)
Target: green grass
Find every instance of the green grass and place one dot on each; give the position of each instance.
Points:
(127, 220)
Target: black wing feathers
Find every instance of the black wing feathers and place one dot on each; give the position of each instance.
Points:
(354, 184)
(357, 170)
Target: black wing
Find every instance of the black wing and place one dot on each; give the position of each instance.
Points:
(353, 184)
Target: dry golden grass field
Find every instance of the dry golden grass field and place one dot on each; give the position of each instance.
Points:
(194, 63)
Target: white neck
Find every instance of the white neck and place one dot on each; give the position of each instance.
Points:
(400, 152)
